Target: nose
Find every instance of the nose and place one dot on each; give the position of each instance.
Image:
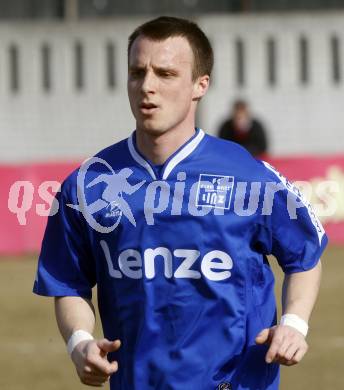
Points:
(149, 83)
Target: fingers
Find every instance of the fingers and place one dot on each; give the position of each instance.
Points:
(96, 373)
(92, 380)
(100, 366)
(108, 346)
(96, 357)
(281, 355)
(275, 345)
(290, 352)
(95, 370)
(263, 336)
(89, 377)
(300, 353)
(288, 346)
(91, 362)
(294, 354)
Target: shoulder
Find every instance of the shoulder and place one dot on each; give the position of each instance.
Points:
(229, 151)
(216, 143)
(235, 158)
(112, 157)
(115, 152)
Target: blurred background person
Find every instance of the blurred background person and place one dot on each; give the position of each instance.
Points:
(241, 127)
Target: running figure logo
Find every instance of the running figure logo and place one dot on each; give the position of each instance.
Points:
(117, 183)
(224, 386)
(111, 199)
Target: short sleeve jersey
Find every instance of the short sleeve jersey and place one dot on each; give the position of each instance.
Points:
(178, 255)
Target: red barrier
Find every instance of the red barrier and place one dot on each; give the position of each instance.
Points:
(25, 236)
(325, 179)
(321, 177)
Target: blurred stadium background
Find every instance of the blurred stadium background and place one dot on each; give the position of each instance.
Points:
(63, 97)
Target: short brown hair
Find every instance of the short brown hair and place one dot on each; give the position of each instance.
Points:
(165, 27)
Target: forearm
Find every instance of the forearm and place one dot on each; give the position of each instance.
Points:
(90, 355)
(73, 313)
(300, 291)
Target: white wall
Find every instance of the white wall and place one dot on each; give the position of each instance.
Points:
(301, 119)
(66, 123)
(35, 125)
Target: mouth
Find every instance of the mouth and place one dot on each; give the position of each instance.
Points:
(148, 108)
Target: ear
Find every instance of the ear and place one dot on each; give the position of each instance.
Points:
(201, 86)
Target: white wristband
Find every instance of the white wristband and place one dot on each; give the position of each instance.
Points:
(76, 338)
(296, 322)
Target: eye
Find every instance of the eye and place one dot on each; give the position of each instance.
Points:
(165, 74)
(137, 73)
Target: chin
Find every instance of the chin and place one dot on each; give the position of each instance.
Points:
(150, 129)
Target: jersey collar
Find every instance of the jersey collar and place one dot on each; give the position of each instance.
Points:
(180, 154)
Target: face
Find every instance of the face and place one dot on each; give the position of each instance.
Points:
(241, 117)
(161, 91)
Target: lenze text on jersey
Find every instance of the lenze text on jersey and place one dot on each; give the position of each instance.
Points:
(214, 265)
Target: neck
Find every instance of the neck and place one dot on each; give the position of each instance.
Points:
(159, 147)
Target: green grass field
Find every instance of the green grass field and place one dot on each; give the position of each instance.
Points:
(33, 355)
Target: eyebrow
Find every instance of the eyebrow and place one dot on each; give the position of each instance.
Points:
(156, 68)
(135, 67)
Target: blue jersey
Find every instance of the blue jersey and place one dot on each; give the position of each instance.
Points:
(178, 254)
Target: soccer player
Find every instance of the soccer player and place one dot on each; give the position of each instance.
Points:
(173, 226)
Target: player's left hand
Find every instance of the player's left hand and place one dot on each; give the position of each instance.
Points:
(287, 345)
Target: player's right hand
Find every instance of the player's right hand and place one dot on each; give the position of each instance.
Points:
(90, 359)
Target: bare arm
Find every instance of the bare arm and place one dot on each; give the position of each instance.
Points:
(300, 291)
(288, 345)
(73, 313)
(88, 356)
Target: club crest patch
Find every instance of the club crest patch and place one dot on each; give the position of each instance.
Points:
(214, 191)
